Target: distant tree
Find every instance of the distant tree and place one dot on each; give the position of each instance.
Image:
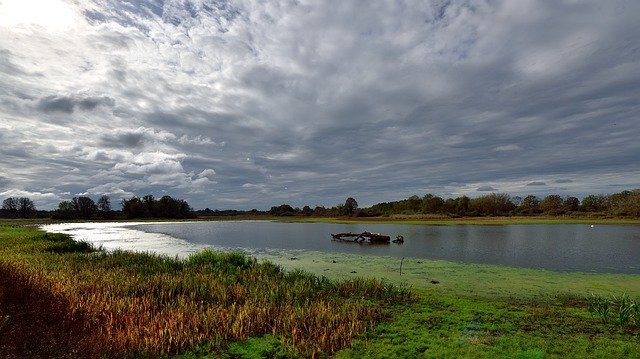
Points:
(104, 206)
(66, 210)
(552, 205)
(149, 204)
(594, 203)
(26, 207)
(571, 204)
(282, 210)
(84, 207)
(626, 203)
(529, 205)
(495, 204)
(10, 207)
(133, 208)
(10, 204)
(432, 204)
(307, 211)
(350, 206)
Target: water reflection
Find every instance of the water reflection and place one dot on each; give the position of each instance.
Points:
(603, 248)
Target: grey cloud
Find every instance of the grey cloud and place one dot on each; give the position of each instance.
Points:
(65, 104)
(486, 189)
(56, 104)
(536, 183)
(4, 183)
(123, 139)
(90, 103)
(564, 181)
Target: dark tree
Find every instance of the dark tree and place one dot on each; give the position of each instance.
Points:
(133, 208)
(281, 210)
(571, 204)
(432, 204)
(530, 205)
(552, 204)
(10, 207)
(350, 206)
(104, 206)
(10, 204)
(26, 207)
(84, 207)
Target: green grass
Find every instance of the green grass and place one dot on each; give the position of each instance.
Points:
(485, 311)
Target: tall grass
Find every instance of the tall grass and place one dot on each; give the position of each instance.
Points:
(134, 304)
(621, 311)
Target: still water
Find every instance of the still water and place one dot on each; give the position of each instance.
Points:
(560, 247)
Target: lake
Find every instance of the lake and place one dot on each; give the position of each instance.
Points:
(559, 247)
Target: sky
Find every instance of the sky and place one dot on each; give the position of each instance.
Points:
(250, 104)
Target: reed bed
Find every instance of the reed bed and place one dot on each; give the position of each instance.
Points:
(126, 304)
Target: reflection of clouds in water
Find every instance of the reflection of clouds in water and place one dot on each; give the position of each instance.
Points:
(119, 235)
(112, 236)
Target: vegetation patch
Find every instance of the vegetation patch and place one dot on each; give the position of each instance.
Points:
(134, 304)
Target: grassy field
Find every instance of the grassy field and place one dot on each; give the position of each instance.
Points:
(485, 311)
(60, 300)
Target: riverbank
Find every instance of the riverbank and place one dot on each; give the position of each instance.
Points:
(456, 310)
(439, 221)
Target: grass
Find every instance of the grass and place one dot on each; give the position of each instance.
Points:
(122, 304)
(216, 305)
(487, 311)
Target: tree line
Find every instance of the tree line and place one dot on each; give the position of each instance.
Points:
(83, 207)
(622, 204)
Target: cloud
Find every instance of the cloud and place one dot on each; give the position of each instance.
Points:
(64, 104)
(486, 189)
(536, 183)
(56, 104)
(564, 180)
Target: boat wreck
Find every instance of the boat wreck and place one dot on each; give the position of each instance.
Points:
(374, 238)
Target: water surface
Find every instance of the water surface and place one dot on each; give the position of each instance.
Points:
(560, 247)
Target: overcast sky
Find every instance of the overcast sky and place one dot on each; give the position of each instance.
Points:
(249, 104)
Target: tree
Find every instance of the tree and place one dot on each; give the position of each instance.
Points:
(84, 207)
(495, 204)
(10, 204)
(530, 205)
(571, 204)
(26, 207)
(10, 207)
(594, 203)
(104, 206)
(350, 207)
(281, 210)
(66, 210)
(150, 204)
(552, 204)
(133, 208)
(432, 204)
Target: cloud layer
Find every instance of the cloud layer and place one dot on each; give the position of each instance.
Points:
(249, 104)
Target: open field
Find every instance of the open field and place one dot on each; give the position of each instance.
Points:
(348, 306)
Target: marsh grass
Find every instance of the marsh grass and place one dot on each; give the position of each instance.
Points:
(620, 311)
(125, 304)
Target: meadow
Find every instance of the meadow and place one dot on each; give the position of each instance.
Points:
(60, 298)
